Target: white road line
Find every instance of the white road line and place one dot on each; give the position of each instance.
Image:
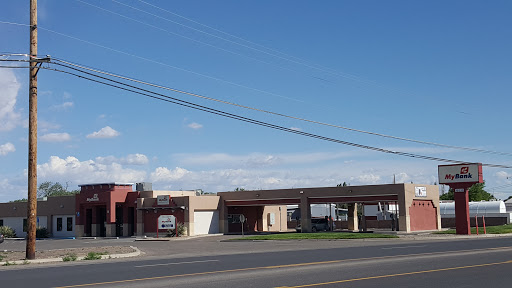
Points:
(177, 263)
(404, 247)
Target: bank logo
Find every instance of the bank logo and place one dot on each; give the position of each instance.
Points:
(464, 174)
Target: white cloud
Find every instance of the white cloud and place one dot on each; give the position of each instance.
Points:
(9, 88)
(105, 132)
(131, 159)
(7, 148)
(195, 126)
(73, 170)
(163, 174)
(63, 106)
(260, 159)
(502, 175)
(55, 137)
(44, 126)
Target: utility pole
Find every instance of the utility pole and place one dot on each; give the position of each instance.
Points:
(32, 137)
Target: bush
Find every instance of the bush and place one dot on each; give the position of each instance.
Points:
(69, 257)
(180, 227)
(94, 255)
(8, 232)
(42, 232)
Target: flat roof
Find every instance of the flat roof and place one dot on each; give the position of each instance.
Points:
(107, 183)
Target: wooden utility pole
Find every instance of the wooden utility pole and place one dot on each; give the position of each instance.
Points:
(32, 137)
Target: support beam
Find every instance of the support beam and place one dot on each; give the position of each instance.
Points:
(305, 214)
(353, 223)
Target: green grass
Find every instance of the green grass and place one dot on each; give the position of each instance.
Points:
(503, 229)
(299, 236)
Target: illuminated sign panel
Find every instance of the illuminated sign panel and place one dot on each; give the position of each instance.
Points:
(463, 173)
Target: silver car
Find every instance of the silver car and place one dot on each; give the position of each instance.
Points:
(317, 224)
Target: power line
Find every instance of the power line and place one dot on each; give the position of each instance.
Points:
(275, 113)
(289, 58)
(288, 116)
(158, 62)
(184, 37)
(188, 104)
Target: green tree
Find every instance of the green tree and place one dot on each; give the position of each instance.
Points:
(344, 184)
(51, 189)
(447, 196)
(239, 189)
(476, 193)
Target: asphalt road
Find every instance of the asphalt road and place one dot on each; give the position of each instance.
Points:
(456, 263)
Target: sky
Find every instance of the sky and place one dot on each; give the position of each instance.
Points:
(432, 71)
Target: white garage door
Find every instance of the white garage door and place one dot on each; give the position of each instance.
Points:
(206, 222)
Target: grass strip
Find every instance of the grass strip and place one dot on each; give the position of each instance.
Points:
(303, 236)
(502, 229)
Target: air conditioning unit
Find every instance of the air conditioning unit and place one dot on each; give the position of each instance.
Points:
(144, 186)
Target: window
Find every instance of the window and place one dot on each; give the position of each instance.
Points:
(69, 224)
(59, 224)
(25, 227)
(1, 222)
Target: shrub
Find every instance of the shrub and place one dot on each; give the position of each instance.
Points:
(7, 263)
(94, 255)
(8, 232)
(42, 232)
(69, 257)
(180, 227)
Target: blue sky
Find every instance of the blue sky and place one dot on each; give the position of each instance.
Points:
(433, 71)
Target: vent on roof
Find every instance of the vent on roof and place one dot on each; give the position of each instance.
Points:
(144, 186)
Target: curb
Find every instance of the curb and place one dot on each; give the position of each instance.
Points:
(137, 252)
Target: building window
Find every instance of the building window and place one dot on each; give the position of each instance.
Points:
(69, 224)
(1, 222)
(59, 224)
(25, 227)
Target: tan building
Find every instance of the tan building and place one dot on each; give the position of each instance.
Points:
(115, 209)
(418, 204)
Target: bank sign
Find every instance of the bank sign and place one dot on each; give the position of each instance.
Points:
(462, 173)
(166, 222)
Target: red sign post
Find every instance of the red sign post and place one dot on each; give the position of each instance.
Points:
(461, 177)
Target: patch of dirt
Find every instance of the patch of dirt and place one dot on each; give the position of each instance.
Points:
(59, 253)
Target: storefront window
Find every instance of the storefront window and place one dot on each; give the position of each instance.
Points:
(59, 224)
(69, 224)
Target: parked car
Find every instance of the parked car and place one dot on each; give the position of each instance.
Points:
(1, 238)
(317, 224)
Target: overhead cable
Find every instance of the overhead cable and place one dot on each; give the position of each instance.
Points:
(284, 115)
(159, 96)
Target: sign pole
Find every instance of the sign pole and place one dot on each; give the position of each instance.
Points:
(461, 177)
(462, 222)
